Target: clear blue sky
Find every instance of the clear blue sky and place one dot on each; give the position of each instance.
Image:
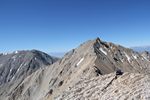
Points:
(60, 25)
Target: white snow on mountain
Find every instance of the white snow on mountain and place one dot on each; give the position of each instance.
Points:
(101, 49)
(80, 61)
(128, 58)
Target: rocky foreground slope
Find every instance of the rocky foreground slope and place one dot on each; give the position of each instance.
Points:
(129, 86)
(93, 60)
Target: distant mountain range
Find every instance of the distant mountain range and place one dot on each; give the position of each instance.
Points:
(57, 54)
(141, 48)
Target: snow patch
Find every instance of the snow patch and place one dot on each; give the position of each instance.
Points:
(11, 70)
(16, 52)
(127, 57)
(101, 49)
(80, 61)
(145, 58)
(135, 57)
(16, 71)
(19, 68)
(13, 78)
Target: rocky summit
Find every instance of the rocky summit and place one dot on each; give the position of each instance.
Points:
(96, 70)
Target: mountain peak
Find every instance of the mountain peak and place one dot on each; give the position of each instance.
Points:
(92, 59)
(19, 63)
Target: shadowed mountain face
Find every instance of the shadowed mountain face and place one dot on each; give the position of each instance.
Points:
(21, 64)
(92, 59)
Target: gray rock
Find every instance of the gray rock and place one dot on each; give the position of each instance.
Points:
(22, 63)
(129, 86)
(87, 72)
(16, 66)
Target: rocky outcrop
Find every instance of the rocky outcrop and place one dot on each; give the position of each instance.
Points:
(95, 60)
(129, 86)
